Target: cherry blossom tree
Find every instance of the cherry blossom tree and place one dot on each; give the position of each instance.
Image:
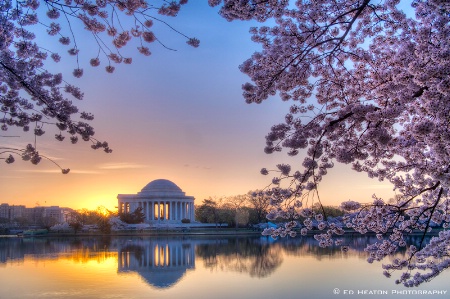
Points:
(369, 86)
(32, 99)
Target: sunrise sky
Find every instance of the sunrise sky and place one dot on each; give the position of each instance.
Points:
(177, 115)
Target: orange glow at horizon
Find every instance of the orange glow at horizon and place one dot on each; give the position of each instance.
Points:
(101, 191)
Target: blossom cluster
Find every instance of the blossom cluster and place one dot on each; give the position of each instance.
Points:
(247, 10)
(427, 263)
(369, 87)
(31, 98)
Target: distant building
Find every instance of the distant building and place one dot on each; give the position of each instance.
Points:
(54, 212)
(4, 210)
(67, 214)
(11, 212)
(162, 201)
(17, 212)
(33, 216)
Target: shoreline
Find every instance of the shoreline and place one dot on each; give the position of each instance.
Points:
(145, 233)
(190, 232)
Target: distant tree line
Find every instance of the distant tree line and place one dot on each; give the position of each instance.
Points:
(100, 218)
(246, 210)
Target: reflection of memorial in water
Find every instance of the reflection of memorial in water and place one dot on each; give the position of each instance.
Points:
(160, 262)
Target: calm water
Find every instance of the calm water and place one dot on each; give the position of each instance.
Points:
(192, 267)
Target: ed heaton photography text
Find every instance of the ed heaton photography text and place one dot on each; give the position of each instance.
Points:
(389, 292)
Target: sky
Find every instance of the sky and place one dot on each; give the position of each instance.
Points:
(176, 115)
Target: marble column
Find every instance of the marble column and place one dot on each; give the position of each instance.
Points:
(189, 211)
(164, 211)
(159, 211)
(151, 211)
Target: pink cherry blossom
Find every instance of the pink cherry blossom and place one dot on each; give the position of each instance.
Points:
(369, 87)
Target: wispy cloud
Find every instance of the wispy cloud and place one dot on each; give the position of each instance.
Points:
(11, 177)
(122, 165)
(40, 170)
(54, 158)
(197, 166)
(77, 171)
(50, 171)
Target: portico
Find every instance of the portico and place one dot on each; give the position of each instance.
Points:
(161, 201)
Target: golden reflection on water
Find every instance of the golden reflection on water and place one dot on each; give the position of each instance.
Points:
(63, 276)
(184, 268)
(84, 256)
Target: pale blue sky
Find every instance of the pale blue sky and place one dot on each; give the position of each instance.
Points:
(177, 115)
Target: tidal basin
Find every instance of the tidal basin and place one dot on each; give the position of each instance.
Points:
(196, 267)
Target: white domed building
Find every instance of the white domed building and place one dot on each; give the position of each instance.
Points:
(162, 201)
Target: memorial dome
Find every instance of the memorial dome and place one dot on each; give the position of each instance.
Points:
(162, 186)
(162, 277)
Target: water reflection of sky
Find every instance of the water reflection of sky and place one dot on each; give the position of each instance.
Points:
(188, 268)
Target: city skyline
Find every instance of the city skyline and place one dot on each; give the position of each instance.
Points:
(176, 115)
